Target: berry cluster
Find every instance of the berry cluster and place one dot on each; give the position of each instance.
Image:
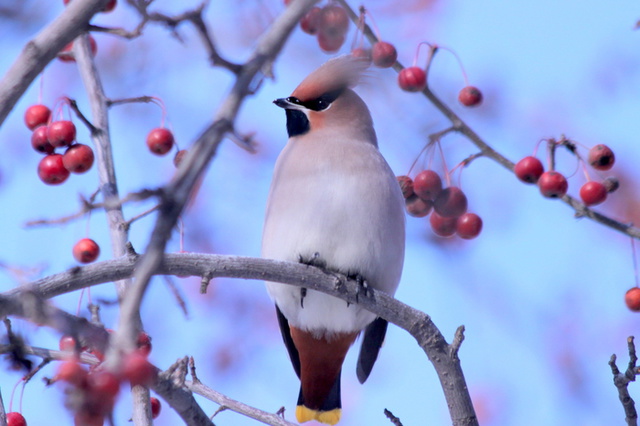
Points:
(92, 392)
(553, 184)
(330, 25)
(425, 194)
(50, 135)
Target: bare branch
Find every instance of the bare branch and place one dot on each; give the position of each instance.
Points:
(417, 323)
(621, 381)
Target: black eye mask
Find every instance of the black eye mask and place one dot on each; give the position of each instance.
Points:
(319, 104)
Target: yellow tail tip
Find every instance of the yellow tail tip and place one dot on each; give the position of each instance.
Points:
(305, 414)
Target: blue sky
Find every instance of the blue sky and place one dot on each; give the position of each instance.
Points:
(539, 292)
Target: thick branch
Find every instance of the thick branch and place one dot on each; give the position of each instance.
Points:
(109, 190)
(418, 324)
(38, 52)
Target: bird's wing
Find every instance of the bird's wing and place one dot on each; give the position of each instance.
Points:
(371, 344)
(288, 341)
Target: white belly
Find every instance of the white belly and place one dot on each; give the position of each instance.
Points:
(353, 218)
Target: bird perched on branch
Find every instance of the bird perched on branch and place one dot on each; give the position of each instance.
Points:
(334, 202)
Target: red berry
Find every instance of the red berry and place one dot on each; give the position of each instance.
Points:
(468, 226)
(330, 44)
(72, 372)
(61, 133)
(36, 115)
(16, 419)
(632, 299)
(427, 185)
(51, 170)
(529, 169)
(155, 407)
(362, 54)
(383, 54)
(601, 157)
(451, 202)
(160, 141)
(553, 184)
(442, 226)
(470, 96)
(67, 343)
(144, 343)
(593, 193)
(412, 79)
(417, 207)
(333, 22)
(310, 23)
(78, 158)
(66, 55)
(137, 370)
(86, 250)
(40, 140)
(103, 383)
(406, 185)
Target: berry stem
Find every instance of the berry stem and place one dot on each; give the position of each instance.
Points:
(464, 73)
(13, 391)
(535, 150)
(431, 52)
(635, 260)
(447, 177)
(363, 10)
(24, 384)
(160, 103)
(358, 40)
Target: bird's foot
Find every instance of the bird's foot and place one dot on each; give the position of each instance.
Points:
(363, 286)
(313, 260)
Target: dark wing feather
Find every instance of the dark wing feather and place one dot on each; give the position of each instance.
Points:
(288, 341)
(371, 343)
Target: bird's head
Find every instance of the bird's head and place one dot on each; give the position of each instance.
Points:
(324, 100)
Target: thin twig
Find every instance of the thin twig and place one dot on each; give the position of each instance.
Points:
(394, 420)
(621, 381)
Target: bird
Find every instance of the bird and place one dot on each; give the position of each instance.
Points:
(335, 203)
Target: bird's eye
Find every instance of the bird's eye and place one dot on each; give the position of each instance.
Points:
(321, 105)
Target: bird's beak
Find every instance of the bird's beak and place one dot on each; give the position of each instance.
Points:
(282, 103)
(288, 103)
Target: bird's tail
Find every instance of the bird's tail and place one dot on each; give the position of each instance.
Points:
(330, 411)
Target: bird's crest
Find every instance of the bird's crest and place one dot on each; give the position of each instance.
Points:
(334, 75)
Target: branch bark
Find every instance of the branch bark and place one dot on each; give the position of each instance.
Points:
(442, 354)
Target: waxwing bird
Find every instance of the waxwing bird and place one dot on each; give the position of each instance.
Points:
(334, 202)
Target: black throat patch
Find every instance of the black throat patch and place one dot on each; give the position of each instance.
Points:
(297, 122)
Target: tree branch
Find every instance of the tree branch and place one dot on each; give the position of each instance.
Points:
(460, 126)
(418, 324)
(621, 381)
(38, 52)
